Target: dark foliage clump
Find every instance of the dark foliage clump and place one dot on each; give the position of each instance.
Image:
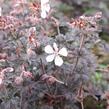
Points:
(27, 80)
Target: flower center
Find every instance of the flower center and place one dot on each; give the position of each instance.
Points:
(56, 53)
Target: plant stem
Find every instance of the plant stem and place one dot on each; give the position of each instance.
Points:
(80, 47)
(82, 105)
(78, 57)
(44, 72)
(42, 66)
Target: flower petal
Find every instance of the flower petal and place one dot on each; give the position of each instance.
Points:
(58, 61)
(55, 46)
(43, 14)
(63, 52)
(44, 1)
(48, 49)
(47, 8)
(50, 58)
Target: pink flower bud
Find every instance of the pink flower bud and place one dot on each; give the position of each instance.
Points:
(27, 74)
(18, 80)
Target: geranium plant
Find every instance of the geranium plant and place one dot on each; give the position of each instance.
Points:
(42, 66)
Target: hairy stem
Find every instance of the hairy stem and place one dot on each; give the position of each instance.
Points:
(78, 57)
(80, 47)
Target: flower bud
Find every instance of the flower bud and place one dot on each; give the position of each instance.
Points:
(18, 80)
(27, 74)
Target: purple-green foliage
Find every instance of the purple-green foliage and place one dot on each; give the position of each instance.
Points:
(33, 92)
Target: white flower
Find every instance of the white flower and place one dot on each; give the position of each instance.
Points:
(55, 54)
(45, 8)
